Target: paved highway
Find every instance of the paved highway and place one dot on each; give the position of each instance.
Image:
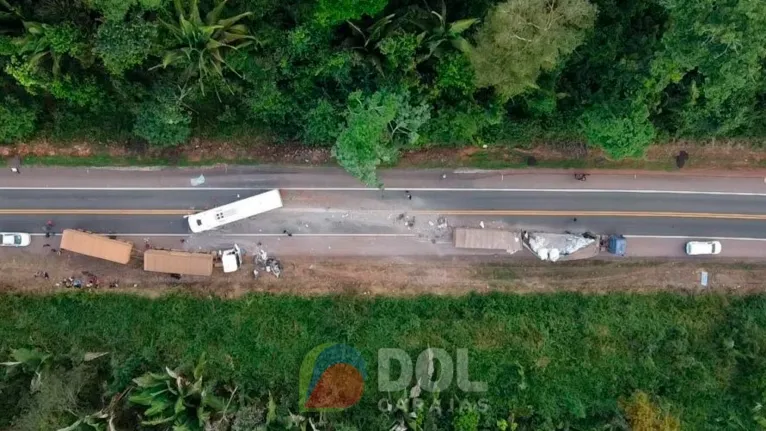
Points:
(161, 211)
(454, 200)
(355, 223)
(327, 202)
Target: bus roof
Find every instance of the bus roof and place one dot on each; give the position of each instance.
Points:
(94, 245)
(235, 211)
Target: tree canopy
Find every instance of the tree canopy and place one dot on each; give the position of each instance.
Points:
(523, 38)
(371, 78)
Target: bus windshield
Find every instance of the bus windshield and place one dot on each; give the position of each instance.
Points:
(235, 211)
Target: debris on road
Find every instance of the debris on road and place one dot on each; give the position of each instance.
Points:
(70, 282)
(265, 263)
(703, 278)
(198, 181)
(481, 223)
(274, 266)
(410, 222)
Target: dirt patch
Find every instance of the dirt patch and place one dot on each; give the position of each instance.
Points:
(199, 151)
(712, 154)
(390, 277)
(196, 151)
(45, 148)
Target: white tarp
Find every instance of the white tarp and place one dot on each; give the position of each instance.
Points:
(198, 181)
(552, 246)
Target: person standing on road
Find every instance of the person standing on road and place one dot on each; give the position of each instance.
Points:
(16, 165)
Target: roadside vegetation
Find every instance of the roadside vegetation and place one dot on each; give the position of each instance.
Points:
(558, 361)
(369, 79)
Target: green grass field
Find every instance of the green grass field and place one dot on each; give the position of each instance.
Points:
(560, 358)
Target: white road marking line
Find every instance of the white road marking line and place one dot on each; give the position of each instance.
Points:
(718, 238)
(386, 235)
(318, 235)
(394, 189)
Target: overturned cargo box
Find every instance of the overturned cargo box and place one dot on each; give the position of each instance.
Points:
(178, 262)
(487, 239)
(94, 245)
(561, 246)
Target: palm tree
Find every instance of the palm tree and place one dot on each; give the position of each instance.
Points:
(8, 13)
(36, 45)
(437, 32)
(42, 42)
(174, 400)
(30, 361)
(365, 41)
(201, 45)
(102, 420)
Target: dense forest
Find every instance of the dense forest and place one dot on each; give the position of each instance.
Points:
(372, 77)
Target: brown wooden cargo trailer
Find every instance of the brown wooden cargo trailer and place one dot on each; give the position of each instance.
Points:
(94, 245)
(178, 262)
(487, 239)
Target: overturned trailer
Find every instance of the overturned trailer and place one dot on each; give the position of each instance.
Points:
(556, 247)
(178, 262)
(95, 245)
(487, 239)
(191, 263)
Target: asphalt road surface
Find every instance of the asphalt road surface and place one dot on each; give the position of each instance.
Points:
(325, 202)
(162, 211)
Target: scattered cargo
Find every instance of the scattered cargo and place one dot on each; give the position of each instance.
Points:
(556, 247)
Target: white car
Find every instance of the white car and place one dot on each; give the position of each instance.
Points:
(695, 248)
(15, 239)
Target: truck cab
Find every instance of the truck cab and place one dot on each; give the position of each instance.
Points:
(231, 259)
(617, 245)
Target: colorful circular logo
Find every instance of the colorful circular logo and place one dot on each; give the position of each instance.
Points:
(331, 378)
